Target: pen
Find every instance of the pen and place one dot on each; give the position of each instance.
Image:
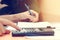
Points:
(28, 8)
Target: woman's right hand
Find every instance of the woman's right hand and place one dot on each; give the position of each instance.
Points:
(6, 22)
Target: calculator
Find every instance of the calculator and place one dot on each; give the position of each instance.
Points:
(33, 32)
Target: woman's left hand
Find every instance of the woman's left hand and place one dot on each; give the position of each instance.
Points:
(26, 15)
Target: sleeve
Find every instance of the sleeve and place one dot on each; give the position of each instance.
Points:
(14, 7)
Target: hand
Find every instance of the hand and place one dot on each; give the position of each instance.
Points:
(26, 15)
(6, 22)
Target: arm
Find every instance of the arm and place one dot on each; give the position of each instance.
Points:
(22, 16)
(9, 17)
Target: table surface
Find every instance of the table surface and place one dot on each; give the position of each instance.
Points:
(55, 37)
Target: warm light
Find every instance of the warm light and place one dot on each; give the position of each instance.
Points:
(50, 10)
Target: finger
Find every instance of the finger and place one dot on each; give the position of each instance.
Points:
(31, 18)
(2, 29)
(35, 14)
(13, 25)
(1, 34)
(26, 20)
(7, 31)
(10, 23)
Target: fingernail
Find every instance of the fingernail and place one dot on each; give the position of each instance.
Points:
(1, 34)
(7, 32)
(17, 28)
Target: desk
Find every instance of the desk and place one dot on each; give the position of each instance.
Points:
(55, 37)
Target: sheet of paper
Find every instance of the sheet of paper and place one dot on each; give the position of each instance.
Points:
(30, 25)
(33, 25)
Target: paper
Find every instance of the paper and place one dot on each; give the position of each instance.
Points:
(30, 25)
(33, 25)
